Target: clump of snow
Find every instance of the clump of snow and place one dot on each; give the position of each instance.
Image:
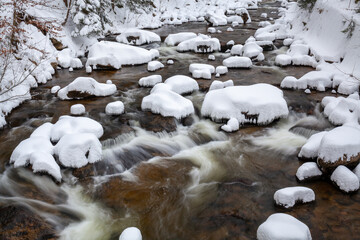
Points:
(66, 59)
(45, 162)
(115, 108)
(55, 89)
(77, 150)
(182, 84)
(170, 62)
(73, 125)
(264, 23)
(237, 50)
(218, 84)
(221, 70)
(87, 85)
(308, 170)
(230, 43)
(154, 65)
(251, 50)
(211, 30)
(43, 131)
(131, 233)
(175, 39)
(211, 57)
(283, 60)
(345, 179)
(115, 55)
(311, 147)
(281, 226)
(292, 82)
(237, 62)
(307, 91)
(319, 80)
(217, 18)
(77, 109)
(109, 82)
(150, 81)
(259, 103)
(200, 70)
(263, 15)
(135, 36)
(342, 110)
(288, 41)
(287, 197)
(231, 126)
(235, 24)
(229, 29)
(162, 100)
(88, 69)
(200, 44)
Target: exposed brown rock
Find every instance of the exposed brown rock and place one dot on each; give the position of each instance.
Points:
(330, 166)
(157, 123)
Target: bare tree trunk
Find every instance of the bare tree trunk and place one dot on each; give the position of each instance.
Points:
(68, 5)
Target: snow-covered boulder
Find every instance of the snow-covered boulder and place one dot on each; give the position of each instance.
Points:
(43, 131)
(55, 89)
(84, 87)
(115, 108)
(135, 36)
(182, 84)
(288, 197)
(175, 39)
(317, 80)
(237, 50)
(73, 125)
(211, 30)
(310, 149)
(244, 14)
(200, 70)
(200, 44)
(217, 18)
(237, 62)
(340, 146)
(293, 83)
(221, 70)
(113, 54)
(77, 150)
(150, 81)
(251, 50)
(77, 109)
(297, 49)
(219, 85)
(162, 100)
(281, 226)
(345, 179)
(131, 233)
(258, 103)
(154, 65)
(283, 60)
(43, 162)
(342, 110)
(308, 171)
(66, 59)
(231, 126)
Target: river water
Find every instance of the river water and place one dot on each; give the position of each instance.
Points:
(176, 179)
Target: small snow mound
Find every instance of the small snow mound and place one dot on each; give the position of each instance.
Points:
(307, 91)
(150, 81)
(86, 85)
(345, 179)
(263, 15)
(77, 109)
(137, 37)
(66, 59)
(308, 170)
(229, 29)
(237, 50)
(211, 57)
(115, 108)
(45, 162)
(211, 30)
(311, 147)
(231, 126)
(200, 70)
(281, 226)
(221, 70)
(219, 85)
(131, 233)
(154, 65)
(175, 39)
(77, 150)
(162, 100)
(287, 197)
(251, 50)
(283, 60)
(182, 84)
(342, 110)
(292, 82)
(43, 131)
(55, 89)
(170, 62)
(237, 62)
(200, 44)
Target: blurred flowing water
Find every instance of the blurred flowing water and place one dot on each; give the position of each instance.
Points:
(186, 180)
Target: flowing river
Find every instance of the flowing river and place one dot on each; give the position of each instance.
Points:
(172, 179)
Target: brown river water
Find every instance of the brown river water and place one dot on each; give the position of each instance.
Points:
(171, 179)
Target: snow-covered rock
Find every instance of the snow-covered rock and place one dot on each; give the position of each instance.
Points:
(258, 103)
(307, 171)
(200, 44)
(237, 62)
(162, 100)
(109, 82)
(221, 70)
(66, 59)
(115, 108)
(88, 69)
(135, 36)
(263, 15)
(43, 131)
(77, 109)
(283, 60)
(77, 150)
(211, 30)
(229, 29)
(251, 50)
(345, 179)
(288, 197)
(211, 58)
(55, 89)
(237, 50)
(73, 125)
(310, 149)
(230, 43)
(43, 162)
(217, 18)
(113, 54)
(182, 84)
(219, 85)
(281, 226)
(231, 126)
(150, 81)
(342, 110)
(175, 39)
(154, 65)
(131, 233)
(200, 70)
(170, 62)
(293, 83)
